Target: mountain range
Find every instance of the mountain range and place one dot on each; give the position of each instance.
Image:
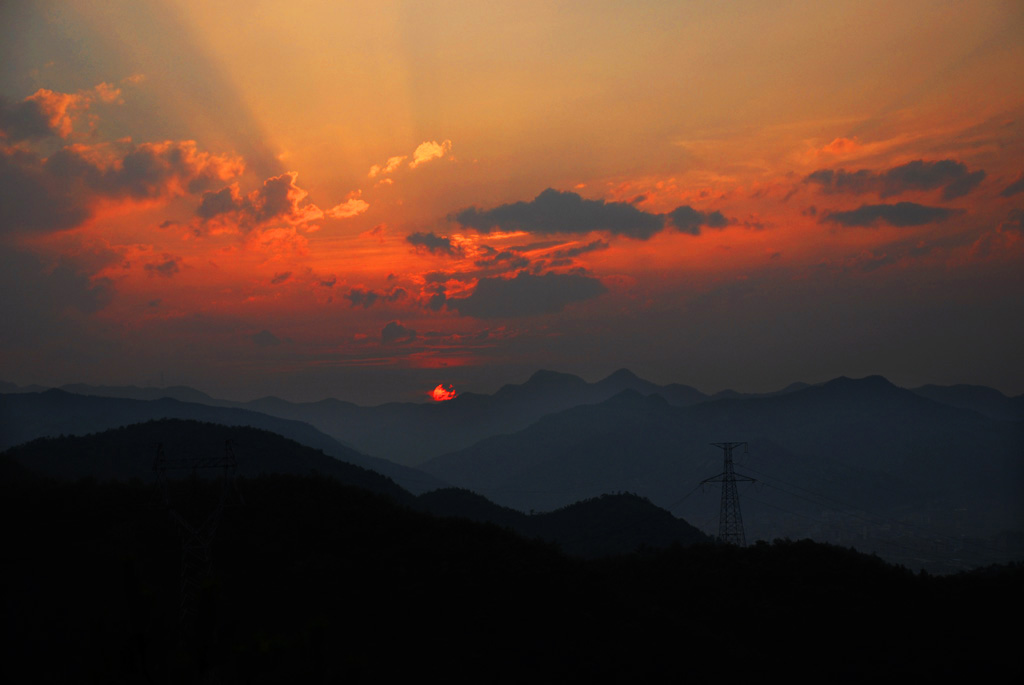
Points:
(917, 475)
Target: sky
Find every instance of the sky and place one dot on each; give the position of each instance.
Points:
(364, 200)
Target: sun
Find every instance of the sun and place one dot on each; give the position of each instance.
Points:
(442, 394)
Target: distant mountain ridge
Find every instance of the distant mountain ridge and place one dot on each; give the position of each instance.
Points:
(862, 454)
(411, 433)
(888, 460)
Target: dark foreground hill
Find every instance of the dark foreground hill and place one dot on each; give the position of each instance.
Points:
(596, 527)
(129, 452)
(313, 581)
(27, 416)
(607, 525)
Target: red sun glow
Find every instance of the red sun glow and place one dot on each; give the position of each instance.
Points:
(442, 394)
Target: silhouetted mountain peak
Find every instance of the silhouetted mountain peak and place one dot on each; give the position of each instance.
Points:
(546, 378)
(622, 376)
(868, 383)
(979, 398)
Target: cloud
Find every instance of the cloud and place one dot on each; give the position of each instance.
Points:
(361, 297)
(948, 174)
(44, 302)
(280, 199)
(526, 295)
(437, 300)
(425, 152)
(280, 278)
(569, 252)
(352, 206)
(563, 212)
(688, 220)
(428, 151)
(508, 260)
(839, 146)
(265, 339)
(387, 167)
(1015, 221)
(394, 331)
(1014, 188)
(554, 212)
(61, 191)
(47, 112)
(167, 268)
(433, 243)
(952, 176)
(899, 214)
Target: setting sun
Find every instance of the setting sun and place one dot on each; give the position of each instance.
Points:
(442, 394)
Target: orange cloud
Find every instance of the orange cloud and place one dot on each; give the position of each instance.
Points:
(352, 206)
(428, 151)
(48, 112)
(840, 146)
(387, 167)
(425, 152)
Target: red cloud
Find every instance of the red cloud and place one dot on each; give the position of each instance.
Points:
(61, 191)
(280, 199)
(48, 112)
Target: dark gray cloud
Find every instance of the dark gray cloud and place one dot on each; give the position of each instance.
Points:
(280, 278)
(167, 268)
(24, 120)
(46, 301)
(1014, 188)
(433, 243)
(278, 199)
(951, 176)
(1015, 221)
(899, 214)
(509, 260)
(361, 297)
(32, 198)
(843, 181)
(57, 193)
(526, 295)
(394, 331)
(219, 202)
(570, 252)
(686, 219)
(437, 300)
(563, 212)
(555, 212)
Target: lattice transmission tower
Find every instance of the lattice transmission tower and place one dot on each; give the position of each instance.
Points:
(730, 520)
(196, 537)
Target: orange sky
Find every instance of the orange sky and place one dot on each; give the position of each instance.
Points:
(364, 200)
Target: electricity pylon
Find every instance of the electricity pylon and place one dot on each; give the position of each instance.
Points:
(730, 520)
(195, 539)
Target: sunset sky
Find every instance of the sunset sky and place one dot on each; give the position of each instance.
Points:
(364, 200)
